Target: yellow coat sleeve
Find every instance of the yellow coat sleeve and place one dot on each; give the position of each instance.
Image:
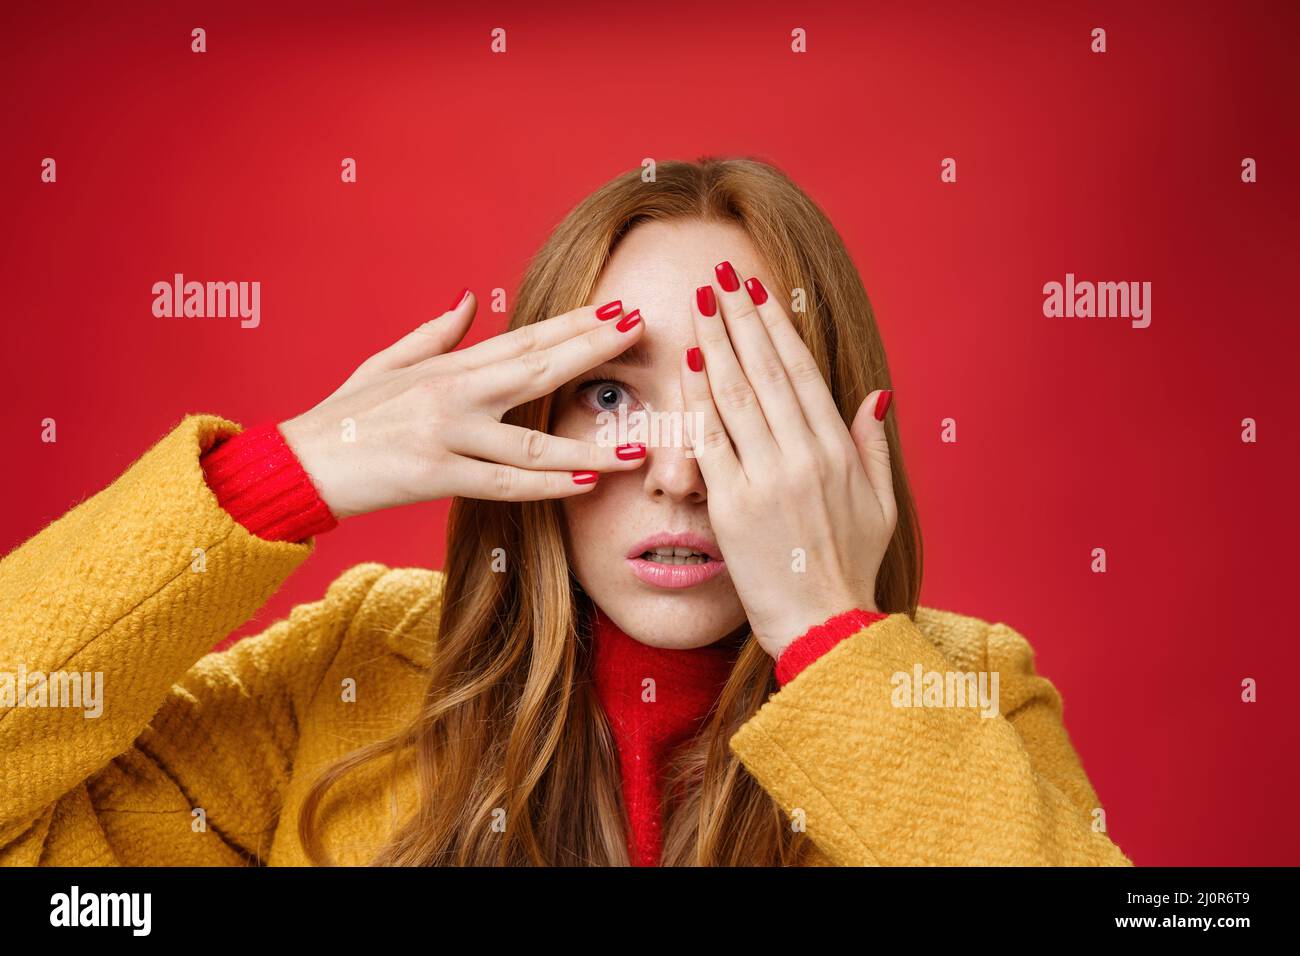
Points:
(880, 784)
(137, 584)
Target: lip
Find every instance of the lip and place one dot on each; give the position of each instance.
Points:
(676, 575)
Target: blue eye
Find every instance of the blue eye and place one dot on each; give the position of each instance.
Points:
(606, 395)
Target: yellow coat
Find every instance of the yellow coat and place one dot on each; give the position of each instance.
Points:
(197, 757)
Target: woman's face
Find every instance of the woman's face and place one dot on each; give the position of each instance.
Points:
(656, 268)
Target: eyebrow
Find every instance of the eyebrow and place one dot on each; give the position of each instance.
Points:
(638, 357)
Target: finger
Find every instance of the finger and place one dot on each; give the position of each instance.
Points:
(540, 335)
(872, 443)
(815, 398)
(435, 337)
(539, 451)
(760, 362)
(532, 374)
(733, 396)
(497, 482)
(709, 441)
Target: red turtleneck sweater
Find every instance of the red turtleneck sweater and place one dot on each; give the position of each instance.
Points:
(259, 480)
(650, 720)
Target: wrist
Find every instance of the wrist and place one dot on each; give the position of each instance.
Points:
(260, 482)
(820, 639)
(323, 454)
(777, 638)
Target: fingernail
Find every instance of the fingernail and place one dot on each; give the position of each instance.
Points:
(459, 298)
(882, 403)
(757, 294)
(585, 477)
(705, 299)
(629, 320)
(629, 452)
(726, 276)
(609, 310)
(695, 359)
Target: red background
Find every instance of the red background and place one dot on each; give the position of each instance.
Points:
(1072, 434)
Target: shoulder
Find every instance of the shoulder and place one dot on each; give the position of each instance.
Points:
(372, 620)
(975, 642)
(366, 610)
(397, 608)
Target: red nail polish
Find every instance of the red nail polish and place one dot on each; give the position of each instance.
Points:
(459, 299)
(609, 310)
(705, 299)
(727, 276)
(629, 320)
(757, 294)
(882, 403)
(585, 477)
(695, 359)
(630, 452)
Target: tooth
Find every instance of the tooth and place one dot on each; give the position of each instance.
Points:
(679, 559)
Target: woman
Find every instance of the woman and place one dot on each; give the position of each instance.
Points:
(697, 649)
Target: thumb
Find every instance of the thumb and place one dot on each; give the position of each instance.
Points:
(438, 335)
(868, 431)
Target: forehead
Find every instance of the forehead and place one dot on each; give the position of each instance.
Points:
(658, 266)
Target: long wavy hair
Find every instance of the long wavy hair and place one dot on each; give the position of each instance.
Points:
(510, 721)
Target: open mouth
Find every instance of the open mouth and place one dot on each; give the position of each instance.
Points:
(673, 561)
(675, 556)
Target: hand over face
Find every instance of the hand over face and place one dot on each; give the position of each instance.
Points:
(419, 422)
(803, 508)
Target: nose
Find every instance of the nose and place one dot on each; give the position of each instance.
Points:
(674, 474)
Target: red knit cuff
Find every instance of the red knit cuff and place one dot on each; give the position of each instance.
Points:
(819, 639)
(260, 481)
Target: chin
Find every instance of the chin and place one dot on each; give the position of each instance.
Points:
(678, 619)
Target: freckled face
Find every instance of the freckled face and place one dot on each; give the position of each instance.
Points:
(656, 268)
